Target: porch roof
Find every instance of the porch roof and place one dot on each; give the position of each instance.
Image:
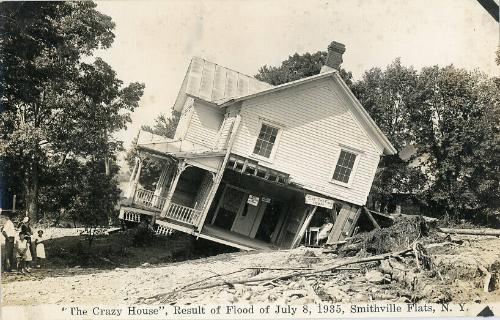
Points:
(178, 148)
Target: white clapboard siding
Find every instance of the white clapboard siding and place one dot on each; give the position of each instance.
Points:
(184, 120)
(204, 124)
(316, 123)
(224, 132)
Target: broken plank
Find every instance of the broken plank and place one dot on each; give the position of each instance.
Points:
(344, 224)
(303, 228)
(385, 215)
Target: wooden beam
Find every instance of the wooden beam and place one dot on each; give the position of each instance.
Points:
(303, 228)
(388, 216)
(476, 232)
(372, 219)
(220, 173)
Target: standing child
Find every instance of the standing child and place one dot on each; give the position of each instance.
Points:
(22, 249)
(40, 248)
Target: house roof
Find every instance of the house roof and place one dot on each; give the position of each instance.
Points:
(211, 82)
(222, 86)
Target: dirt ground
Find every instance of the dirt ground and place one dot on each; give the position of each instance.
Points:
(454, 277)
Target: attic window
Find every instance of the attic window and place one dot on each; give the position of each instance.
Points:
(344, 167)
(266, 141)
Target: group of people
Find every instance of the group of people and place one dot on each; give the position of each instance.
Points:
(23, 249)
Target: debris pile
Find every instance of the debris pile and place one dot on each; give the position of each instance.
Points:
(409, 261)
(398, 236)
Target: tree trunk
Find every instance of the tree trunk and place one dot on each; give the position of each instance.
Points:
(33, 192)
(106, 154)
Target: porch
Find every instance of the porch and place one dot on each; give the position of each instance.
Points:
(181, 194)
(181, 222)
(147, 203)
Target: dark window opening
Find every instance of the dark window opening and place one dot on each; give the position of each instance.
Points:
(265, 141)
(344, 166)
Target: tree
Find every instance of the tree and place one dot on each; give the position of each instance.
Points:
(164, 126)
(390, 96)
(458, 129)
(297, 67)
(56, 107)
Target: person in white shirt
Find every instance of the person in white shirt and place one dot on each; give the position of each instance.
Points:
(9, 232)
(324, 231)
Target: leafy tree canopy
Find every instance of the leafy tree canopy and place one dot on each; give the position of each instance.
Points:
(56, 106)
(297, 67)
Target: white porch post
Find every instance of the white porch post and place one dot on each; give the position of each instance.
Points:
(131, 180)
(162, 183)
(134, 181)
(180, 168)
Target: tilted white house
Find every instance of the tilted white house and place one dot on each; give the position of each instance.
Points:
(251, 162)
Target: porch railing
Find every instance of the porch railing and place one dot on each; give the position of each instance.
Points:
(183, 214)
(149, 199)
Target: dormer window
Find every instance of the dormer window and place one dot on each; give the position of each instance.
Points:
(267, 140)
(345, 166)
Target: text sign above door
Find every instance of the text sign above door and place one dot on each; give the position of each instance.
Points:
(318, 201)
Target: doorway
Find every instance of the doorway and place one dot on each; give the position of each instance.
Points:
(248, 219)
(239, 211)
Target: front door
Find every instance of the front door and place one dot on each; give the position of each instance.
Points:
(249, 216)
(229, 207)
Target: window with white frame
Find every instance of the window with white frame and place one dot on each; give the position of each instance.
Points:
(345, 166)
(266, 140)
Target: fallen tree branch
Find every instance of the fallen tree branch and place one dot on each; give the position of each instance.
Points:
(161, 295)
(297, 274)
(277, 268)
(474, 232)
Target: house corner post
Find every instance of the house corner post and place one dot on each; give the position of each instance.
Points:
(218, 176)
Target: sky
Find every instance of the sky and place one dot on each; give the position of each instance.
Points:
(155, 40)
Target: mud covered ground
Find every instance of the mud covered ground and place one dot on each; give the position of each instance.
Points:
(129, 278)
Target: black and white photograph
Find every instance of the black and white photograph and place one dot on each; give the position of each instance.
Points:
(249, 159)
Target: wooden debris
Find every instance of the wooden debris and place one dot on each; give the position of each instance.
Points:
(344, 224)
(307, 273)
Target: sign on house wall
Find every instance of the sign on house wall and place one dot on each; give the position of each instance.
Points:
(318, 201)
(253, 200)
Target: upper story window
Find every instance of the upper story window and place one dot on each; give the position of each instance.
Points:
(345, 166)
(266, 141)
